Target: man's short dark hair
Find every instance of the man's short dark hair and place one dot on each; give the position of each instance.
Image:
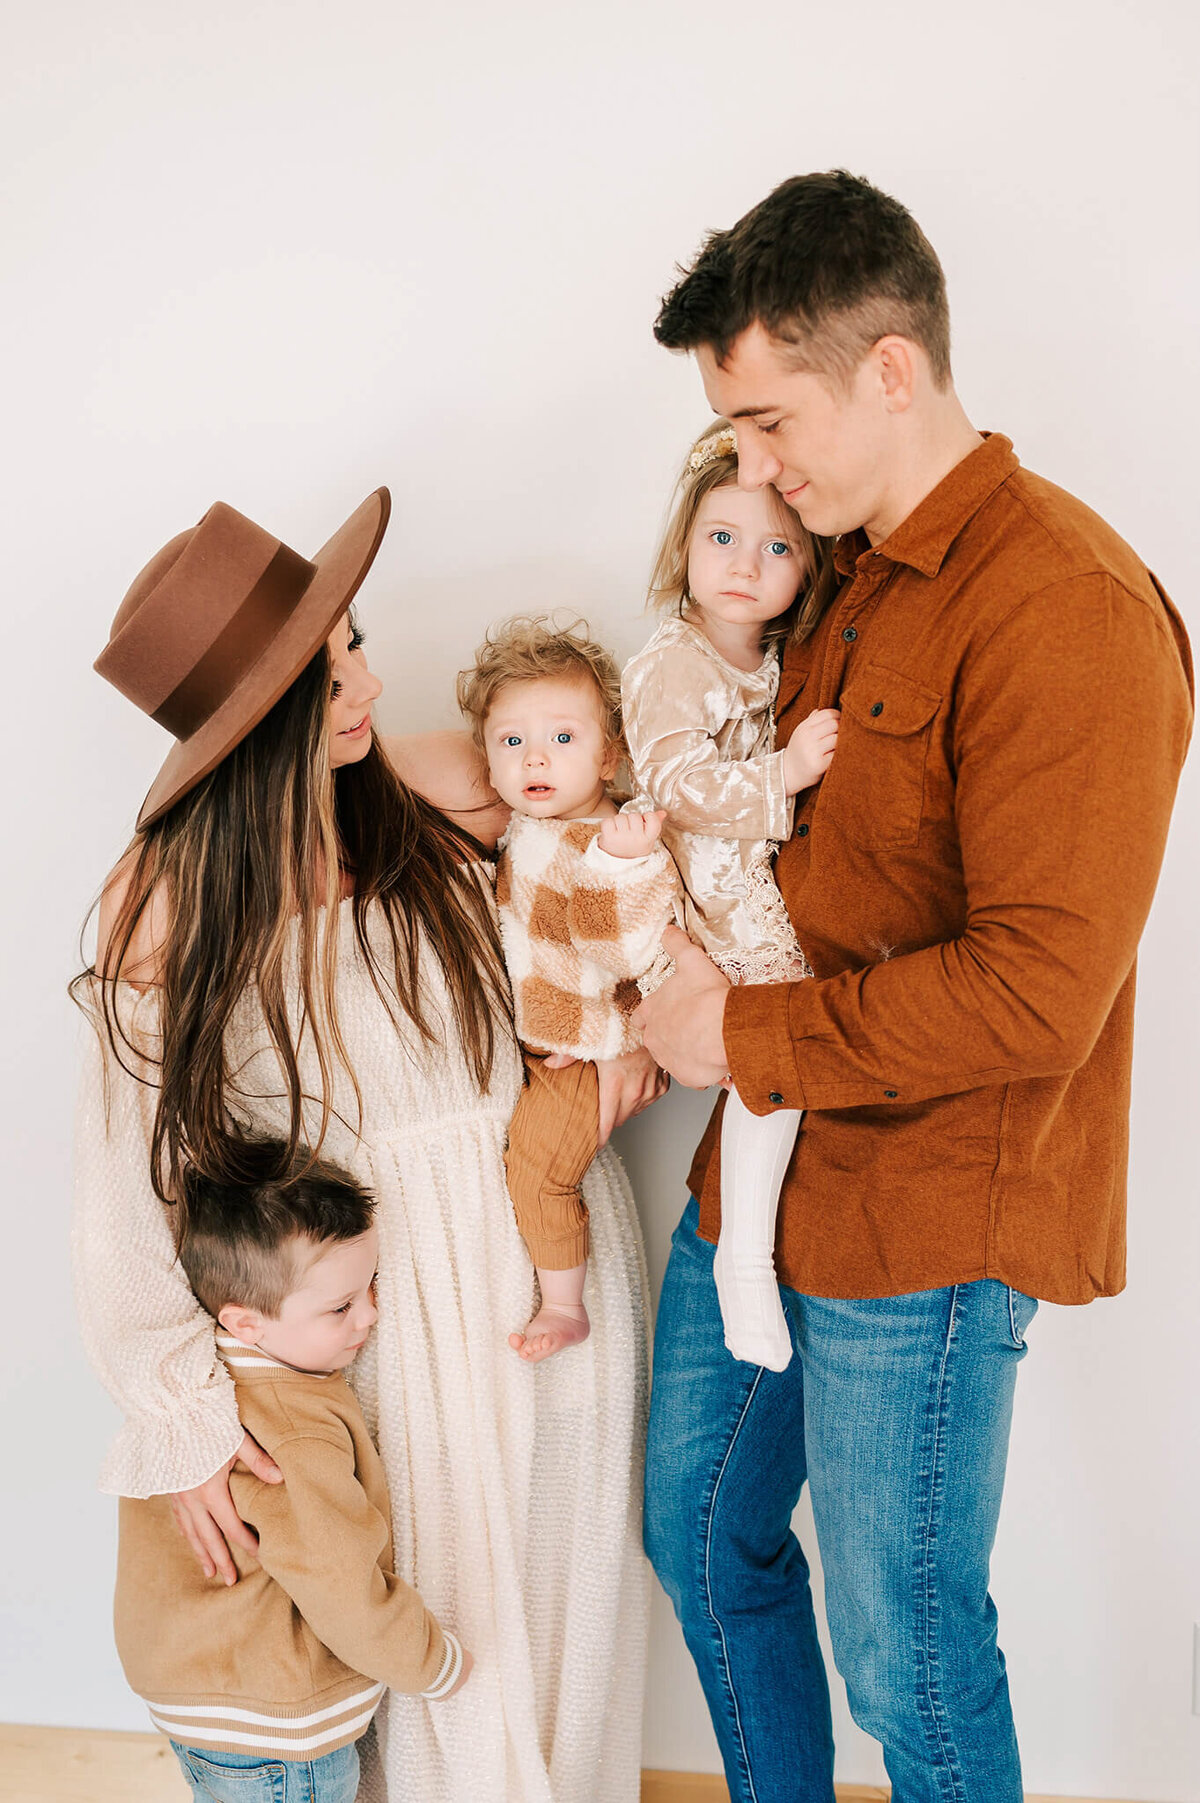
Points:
(248, 1241)
(828, 265)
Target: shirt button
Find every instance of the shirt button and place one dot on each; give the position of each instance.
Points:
(775, 1097)
(876, 708)
(802, 830)
(891, 1094)
(850, 634)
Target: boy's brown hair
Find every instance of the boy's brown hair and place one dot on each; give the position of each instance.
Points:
(531, 648)
(249, 1242)
(828, 265)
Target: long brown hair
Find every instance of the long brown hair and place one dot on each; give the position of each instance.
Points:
(237, 860)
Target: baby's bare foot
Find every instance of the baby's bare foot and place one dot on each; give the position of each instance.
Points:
(550, 1331)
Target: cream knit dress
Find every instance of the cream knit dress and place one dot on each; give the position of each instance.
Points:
(515, 1488)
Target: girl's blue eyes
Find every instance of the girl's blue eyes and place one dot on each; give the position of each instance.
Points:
(562, 738)
(512, 739)
(778, 547)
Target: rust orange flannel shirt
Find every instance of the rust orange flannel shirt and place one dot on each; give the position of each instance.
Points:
(969, 883)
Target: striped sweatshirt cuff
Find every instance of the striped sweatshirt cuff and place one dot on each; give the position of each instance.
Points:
(448, 1676)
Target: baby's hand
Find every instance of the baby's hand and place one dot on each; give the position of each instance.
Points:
(631, 835)
(809, 752)
(552, 1328)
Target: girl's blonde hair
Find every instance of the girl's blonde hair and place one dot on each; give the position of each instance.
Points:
(712, 463)
(531, 648)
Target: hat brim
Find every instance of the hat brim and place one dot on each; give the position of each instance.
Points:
(341, 565)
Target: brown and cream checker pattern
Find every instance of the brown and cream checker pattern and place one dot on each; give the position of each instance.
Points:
(582, 934)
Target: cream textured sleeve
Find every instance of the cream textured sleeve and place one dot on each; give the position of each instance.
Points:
(148, 1339)
(673, 701)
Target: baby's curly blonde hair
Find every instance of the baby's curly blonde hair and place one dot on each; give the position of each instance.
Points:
(532, 648)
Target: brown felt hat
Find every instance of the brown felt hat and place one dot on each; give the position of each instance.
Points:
(220, 623)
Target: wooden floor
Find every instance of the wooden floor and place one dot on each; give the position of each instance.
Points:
(81, 1765)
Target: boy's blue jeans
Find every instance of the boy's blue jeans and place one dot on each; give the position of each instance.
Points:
(897, 1414)
(242, 1778)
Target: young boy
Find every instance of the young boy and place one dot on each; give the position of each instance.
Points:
(584, 893)
(281, 1673)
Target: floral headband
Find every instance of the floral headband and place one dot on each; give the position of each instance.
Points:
(717, 444)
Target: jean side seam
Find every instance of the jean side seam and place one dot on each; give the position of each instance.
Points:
(928, 1607)
(708, 1596)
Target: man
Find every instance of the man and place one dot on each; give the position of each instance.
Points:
(969, 883)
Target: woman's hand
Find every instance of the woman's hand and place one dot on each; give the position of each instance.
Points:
(208, 1520)
(627, 1086)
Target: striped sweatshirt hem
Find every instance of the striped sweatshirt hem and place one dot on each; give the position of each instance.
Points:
(225, 1727)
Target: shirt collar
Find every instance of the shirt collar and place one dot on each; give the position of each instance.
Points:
(242, 1358)
(924, 537)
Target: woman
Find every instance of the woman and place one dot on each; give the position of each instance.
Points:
(296, 943)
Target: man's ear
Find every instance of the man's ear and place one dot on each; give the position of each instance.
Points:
(896, 365)
(245, 1324)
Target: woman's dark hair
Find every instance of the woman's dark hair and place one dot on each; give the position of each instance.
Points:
(247, 869)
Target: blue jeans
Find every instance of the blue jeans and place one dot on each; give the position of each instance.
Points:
(897, 1413)
(249, 1778)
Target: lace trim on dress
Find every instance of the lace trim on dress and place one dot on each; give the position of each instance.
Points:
(778, 958)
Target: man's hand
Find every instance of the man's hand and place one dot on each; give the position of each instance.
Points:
(683, 1021)
(809, 752)
(628, 1084)
(631, 835)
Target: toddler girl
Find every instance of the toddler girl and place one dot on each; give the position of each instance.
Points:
(740, 572)
(584, 893)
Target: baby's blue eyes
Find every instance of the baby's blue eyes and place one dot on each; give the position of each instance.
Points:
(512, 739)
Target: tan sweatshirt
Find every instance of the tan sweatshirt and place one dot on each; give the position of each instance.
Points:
(293, 1660)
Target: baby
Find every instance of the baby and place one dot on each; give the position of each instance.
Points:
(289, 1665)
(584, 893)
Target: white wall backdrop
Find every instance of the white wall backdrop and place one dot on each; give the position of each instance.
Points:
(280, 253)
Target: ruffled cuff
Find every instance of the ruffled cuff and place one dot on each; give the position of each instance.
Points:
(158, 1454)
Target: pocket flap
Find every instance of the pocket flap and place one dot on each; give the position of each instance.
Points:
(884, 701)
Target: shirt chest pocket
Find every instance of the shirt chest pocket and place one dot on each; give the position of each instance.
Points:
(883, 747)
